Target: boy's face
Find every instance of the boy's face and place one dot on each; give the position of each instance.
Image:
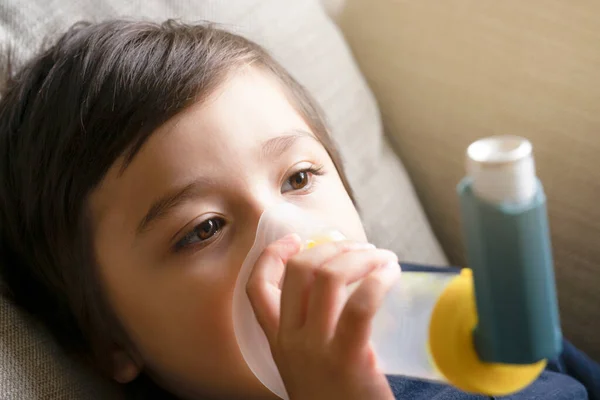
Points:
(173, 229)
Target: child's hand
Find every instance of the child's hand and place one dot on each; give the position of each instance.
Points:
(319, 335)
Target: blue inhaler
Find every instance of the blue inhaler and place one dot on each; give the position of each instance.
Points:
(506, 234)
(505, 226)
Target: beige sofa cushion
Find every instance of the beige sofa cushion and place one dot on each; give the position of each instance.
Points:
(300, 35)
(448, 72)
(33, 367)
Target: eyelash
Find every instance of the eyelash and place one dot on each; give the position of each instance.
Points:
(188, 240)
(219, 223)
(312, 171)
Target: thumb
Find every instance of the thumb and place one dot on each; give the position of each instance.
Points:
(263, 287)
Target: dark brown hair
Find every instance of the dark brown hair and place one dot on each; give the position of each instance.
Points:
(65, 118)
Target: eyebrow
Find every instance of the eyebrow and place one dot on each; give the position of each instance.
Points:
(167, 203)
(161, 207)
(280, 144)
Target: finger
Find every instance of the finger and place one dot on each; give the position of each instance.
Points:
(354, 327)
(329, 291)
(262, 288)
(321, 253)
(299, 275)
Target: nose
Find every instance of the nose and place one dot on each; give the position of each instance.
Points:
(250, 209)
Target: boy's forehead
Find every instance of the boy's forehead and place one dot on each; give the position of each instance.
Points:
(242, 114)
(250, 104)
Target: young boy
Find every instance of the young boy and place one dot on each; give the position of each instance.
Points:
(135, 161)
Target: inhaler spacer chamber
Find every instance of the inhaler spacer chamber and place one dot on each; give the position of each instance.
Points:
(487, 330)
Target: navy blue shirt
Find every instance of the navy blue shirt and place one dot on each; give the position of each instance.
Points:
(572, 376)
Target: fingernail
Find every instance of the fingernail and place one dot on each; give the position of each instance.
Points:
(361, 246)
(388, 270)
(392, 256)
(390, 265)
(290, 239)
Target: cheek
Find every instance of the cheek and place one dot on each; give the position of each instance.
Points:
(177, 316)
(189, 338)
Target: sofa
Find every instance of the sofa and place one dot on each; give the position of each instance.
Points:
(406, 86)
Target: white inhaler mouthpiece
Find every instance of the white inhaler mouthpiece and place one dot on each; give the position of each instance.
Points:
(400, 329)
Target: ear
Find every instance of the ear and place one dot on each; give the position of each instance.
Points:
(125, 367)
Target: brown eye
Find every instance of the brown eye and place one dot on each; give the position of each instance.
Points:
(203, 232)
(299, 180)
(208, 228)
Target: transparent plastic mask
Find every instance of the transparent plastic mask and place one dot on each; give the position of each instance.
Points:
(273, 225)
